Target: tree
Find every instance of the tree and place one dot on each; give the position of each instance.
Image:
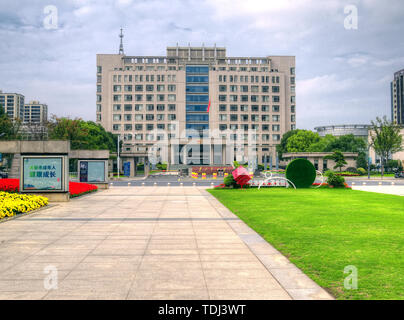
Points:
(322, 144)
(8, 128)
(385, 139)
(346, 143)
(338, 158)
(281, 147)
(82, 134)
(301, 141)
(361, 160)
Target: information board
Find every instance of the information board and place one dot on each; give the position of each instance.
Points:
(92, 171)
(43, 173)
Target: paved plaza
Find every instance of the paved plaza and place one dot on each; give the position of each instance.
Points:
(143, 243)
(397, 190)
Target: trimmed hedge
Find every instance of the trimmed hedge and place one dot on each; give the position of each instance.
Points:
(301, 172)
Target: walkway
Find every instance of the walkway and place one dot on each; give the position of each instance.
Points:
(395, 189)
(144, 243)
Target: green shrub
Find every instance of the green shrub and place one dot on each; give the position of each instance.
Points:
(352, 169)
(301, 172)
(362, 171)
(161, 166)
(335, 180)
(230, 182)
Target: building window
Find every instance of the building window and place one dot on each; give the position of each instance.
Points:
(222, 107)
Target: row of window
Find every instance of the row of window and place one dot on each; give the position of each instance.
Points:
(139, 107)
(253, 117)
(139, 97)
(140, 87)
(252, 98)
(141, 78)
(148, 127)
(252, 79)
(254, 108)
(245, 137)
(195, 69)
(244, 88)
(141, 117)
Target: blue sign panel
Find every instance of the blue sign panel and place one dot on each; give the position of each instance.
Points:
(126, 169)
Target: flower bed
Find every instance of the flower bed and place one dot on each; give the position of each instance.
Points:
(9, 185)
(347, 174)
(75, 188)
(13, 203)
(79, 188)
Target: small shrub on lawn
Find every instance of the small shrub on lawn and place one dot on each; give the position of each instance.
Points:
(335, 180)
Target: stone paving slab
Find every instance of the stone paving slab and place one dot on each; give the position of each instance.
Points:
(144, 243)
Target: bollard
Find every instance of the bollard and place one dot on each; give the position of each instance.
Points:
(211, 184)
(155, 183)
(181, 184)
(142, 183)
(194, 184)
(392, 183)
(364, 183)
(353, 183)
(380, 183)
(168, 184)
(128, 183)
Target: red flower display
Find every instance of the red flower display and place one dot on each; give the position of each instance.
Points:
(10, 185)
(241, 176)
(75, 188)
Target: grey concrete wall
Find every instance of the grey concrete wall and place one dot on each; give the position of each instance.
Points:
(49, 146)
(89, 154)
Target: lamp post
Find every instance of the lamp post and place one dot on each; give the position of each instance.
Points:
(369, 162)
(118, 156)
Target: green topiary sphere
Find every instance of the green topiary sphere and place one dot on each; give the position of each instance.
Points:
(301, 172)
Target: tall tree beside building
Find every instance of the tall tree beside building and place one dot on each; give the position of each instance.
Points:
(385, 139)
(8, 128)
(301, 141)
(82, 134)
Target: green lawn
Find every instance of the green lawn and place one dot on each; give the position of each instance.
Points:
(324, 230)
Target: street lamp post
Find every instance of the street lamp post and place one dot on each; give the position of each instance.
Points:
(368, 162)
(118, 157)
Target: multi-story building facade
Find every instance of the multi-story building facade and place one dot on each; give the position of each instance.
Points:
(397, 98)
(13, 104)
(195, 94)
(35, 113)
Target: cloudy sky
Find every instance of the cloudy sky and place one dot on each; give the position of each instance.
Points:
(343, 74)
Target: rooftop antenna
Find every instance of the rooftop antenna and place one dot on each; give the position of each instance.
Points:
(121, 44)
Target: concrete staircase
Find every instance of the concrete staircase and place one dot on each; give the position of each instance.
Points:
(15, 167)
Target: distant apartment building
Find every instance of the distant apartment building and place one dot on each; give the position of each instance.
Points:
(35, 113)
(13, 104)
(193, 93)
(397, 98)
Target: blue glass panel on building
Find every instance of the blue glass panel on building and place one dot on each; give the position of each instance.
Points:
(197, 126)
(197, 98)
(197, 89)
(197, 79)
(193, 117)
(197, 69)
(197, 108)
